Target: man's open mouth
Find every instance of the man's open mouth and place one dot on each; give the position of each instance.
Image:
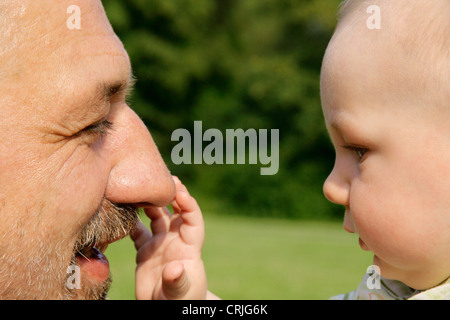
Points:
(111, 223)
(93, 263)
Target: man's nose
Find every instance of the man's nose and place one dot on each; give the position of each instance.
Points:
(139, 175)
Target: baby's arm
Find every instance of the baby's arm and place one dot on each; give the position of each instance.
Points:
(169, 263)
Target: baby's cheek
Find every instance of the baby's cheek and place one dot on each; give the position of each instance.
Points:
(374, 220)
(389, 234)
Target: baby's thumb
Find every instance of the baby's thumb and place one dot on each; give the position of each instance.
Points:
(175, 283)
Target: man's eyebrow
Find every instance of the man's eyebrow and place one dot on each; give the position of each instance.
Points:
(105, 90)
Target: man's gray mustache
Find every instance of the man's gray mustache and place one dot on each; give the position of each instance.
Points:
(110, 223)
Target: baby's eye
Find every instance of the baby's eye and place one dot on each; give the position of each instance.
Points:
(360, 152)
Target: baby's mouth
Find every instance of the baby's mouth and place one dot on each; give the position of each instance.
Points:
(363, 245)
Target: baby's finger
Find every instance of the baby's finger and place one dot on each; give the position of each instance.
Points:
(176, 208)
(178, 184)
(192, 231)
(175, 283)
(180, 187)
(189, 209)
(140, 235)
(160, 219)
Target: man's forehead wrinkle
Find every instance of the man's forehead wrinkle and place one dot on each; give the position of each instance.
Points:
(32, 30)
(37, 19)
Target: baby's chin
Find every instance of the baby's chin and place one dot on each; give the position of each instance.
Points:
(415, 279)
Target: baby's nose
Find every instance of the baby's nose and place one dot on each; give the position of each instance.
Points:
(335, 189)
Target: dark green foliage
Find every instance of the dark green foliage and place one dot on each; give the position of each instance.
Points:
(236, 64)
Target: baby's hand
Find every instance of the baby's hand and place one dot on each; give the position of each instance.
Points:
(169, 263)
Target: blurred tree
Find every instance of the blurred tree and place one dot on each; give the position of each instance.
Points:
(236, 64)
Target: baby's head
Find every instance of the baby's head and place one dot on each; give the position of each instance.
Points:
(386, 101)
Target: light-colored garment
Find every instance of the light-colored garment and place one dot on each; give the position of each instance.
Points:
(440, 292)
(394, 290)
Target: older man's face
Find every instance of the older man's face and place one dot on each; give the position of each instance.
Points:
(75, 160)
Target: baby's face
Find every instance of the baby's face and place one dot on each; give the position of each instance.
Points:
(392, 168)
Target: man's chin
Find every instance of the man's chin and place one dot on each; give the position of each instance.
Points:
(97, 291)
(90, 291)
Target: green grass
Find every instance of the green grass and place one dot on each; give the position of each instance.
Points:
(264, 258)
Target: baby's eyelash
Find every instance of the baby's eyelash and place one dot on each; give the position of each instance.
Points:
(359, 151)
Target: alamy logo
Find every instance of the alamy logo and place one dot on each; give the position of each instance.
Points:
(219, 151)
(374, 279)
(374, 20)
(74, 20)
(73, 277)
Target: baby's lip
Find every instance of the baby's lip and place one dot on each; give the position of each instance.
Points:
(363, 245)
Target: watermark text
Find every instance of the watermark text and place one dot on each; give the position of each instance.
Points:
(230, 149)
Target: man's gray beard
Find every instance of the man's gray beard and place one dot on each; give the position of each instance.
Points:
(39, 275)
(44, 275)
